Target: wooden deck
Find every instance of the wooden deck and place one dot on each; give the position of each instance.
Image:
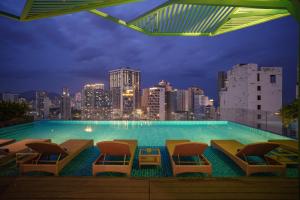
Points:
(164, 188)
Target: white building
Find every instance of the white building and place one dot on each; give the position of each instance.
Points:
(10, 97)
(156, 103)
(252, 95)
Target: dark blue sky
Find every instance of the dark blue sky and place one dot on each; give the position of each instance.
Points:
(72, 50)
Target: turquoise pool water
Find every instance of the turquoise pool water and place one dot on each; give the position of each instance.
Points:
(148, 133)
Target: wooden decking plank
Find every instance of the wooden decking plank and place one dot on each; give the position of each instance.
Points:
(222, 183)
(62, 188)
(225, 189)
(75, 195)
(222, 196)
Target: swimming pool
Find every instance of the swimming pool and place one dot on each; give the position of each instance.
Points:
(148, 133)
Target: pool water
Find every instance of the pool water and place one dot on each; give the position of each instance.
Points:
(149, 134)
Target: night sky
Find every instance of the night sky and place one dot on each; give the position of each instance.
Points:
(80, 48)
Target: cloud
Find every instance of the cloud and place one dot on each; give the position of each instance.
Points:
(11, 73)
(82, 47)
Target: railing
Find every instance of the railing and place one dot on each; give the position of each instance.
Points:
(265, 120)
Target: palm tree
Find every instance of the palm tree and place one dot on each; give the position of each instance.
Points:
(289, 113)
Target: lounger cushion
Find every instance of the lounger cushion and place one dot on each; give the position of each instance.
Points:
(256, 149)
(256, 160)
(47, 148)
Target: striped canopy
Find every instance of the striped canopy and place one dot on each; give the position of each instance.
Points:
(196, 20)
(175, 17)
(37, 9)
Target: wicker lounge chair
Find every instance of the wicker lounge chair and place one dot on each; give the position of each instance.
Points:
(8, 152)
(4, 142)
(288, 153)
(115, 156)
(291, 145)
(187, 156)
(251, 158)
(53, 158)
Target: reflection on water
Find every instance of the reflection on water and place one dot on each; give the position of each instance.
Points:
(88, 129)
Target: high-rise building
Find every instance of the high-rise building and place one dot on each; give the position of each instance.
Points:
(252, 95)
(222, 77)
(144, 99)
(10, 97)
(77, 101)
(170, 98)
(46, 110)
(182, 100)
(200, 103)
(42, 104)
(171, 104)
(156, 103)
(165, 84)
(124, 84)
(192, 91)
(96, 102)
(65, 104)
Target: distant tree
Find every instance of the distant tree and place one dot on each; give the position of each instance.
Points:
(9, 110)
(289, 113)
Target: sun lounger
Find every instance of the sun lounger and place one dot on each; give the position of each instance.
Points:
(291, 145)
(4, 142)
(53, 158)
(187, 156)
(8, 152)
(288, 153)
(251, 158)
(115, 156)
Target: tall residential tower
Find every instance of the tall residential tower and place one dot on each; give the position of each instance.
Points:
(125, 87)
(65, 104)
(96, 102)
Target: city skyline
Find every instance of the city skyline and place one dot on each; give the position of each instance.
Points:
(37, 52)
(106, 86)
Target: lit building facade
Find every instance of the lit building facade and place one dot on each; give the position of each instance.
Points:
(156, 104)
(252, 95)
(192, 91)
(170, 99)
(77, 101)
(202, 107)
(124, 85)
(96, 102)
(182, 100)
(144, 99)
(42, 104)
